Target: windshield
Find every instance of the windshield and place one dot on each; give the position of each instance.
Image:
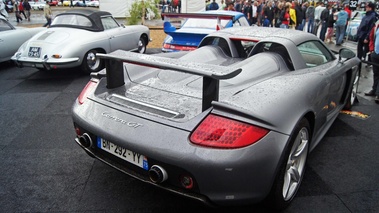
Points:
(73, 20)
(204, 23)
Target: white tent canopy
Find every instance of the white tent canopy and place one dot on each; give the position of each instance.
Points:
(120, 8)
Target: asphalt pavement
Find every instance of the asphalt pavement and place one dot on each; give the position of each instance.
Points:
(43, 170)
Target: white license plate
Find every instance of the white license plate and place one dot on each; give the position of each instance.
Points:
(125, 154)
(34, 52)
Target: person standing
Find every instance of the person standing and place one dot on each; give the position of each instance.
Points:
(310, 17)
(304, 7)
(248, 11)
(330, 25)
(268, 13)
(17, 12)
(222, 5)
(292, 16)
(299, 16)
(324, 20)
(277, 13)
(367, 23)
(285, 16)
(318, 10)
(254, 8)
(213, 5)
(21, 9)
(238, 5)
(72, 3)
(27, 7)
(47, 13)
(341, 26)
(259, 12)
(347, 9)
(230, 7)
(374, 50)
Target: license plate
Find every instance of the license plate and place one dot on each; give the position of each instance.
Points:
(34, 52)
(125, 154)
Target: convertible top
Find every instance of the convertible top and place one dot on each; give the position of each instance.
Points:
(93, 15)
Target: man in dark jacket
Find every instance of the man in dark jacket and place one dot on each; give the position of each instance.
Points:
(364, 29)
(299, 16)
(324, 21)
(268, 13)
(213, 5)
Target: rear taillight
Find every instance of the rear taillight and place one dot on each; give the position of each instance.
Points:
(179, 47)
(220, 132)
(87, 89)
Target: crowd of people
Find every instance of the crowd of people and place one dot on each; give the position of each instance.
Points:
(307, 16)
(21, 7)
(324, 21)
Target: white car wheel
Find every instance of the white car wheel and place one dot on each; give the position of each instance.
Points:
(91, 63)
(141, 45)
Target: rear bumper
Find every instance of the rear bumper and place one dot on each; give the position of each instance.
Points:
(46, 63)
(221, 176)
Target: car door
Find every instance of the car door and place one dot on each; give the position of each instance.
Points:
(319, 59)
(118, 35)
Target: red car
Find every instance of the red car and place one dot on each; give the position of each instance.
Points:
(53, 3)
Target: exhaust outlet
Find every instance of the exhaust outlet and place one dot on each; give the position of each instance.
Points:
(85, 140)
(157, 174)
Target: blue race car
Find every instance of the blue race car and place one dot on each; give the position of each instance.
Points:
(196, 26)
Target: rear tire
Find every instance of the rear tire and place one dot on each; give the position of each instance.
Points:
(92, 63)
(292, 169)
(141, 45)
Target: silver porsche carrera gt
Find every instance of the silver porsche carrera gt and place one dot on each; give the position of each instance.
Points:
(74, 38)
(229, 123)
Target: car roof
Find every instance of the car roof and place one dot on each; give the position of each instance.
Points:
(93, 15)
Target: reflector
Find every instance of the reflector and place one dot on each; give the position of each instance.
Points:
(87, 89)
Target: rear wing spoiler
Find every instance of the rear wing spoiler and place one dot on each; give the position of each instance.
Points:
(169, 28)
(198, 15)
(212, 74)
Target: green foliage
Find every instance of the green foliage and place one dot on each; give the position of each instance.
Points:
(137, 8)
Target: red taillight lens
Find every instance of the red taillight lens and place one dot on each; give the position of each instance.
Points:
(219, 132)
(87, 89)
(179, 47)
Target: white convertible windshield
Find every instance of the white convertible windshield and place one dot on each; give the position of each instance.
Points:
(203, 23)
(74, 20)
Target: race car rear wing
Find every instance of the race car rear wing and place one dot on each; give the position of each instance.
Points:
(198, 15)
(212, 74)
(169, 28)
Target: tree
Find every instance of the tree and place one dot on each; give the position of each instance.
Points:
(139, 8)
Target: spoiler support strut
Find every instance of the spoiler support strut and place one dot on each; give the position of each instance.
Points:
(212, 74)
(115, 78)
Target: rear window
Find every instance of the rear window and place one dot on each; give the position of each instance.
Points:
(73, 20)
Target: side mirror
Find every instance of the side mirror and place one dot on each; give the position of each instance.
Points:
(346, 53)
